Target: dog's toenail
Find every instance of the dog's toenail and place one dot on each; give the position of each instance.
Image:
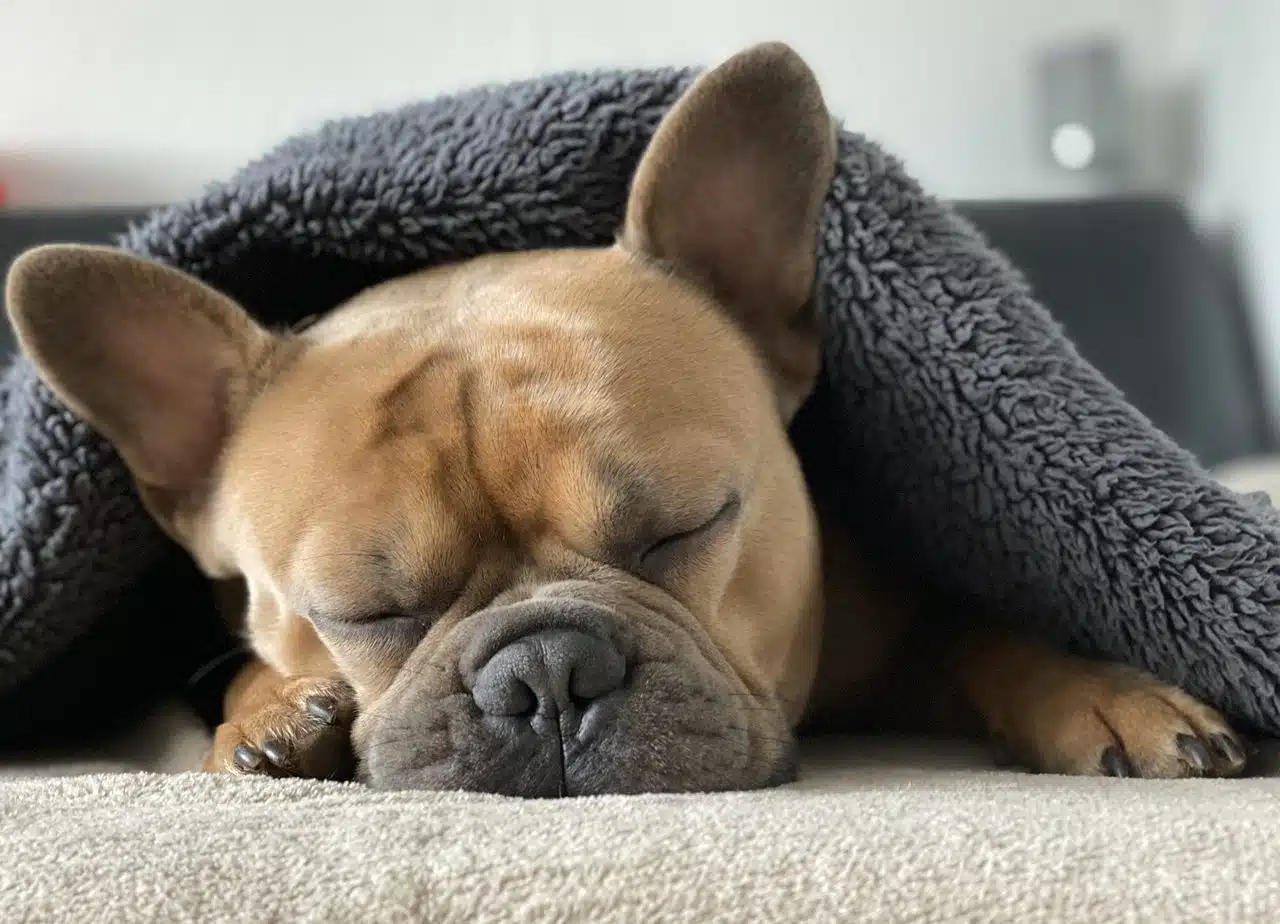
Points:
(1115, 763)
(247, 758)
(1194, 752)
(275, 751)
(322, 708)
(1228, 748)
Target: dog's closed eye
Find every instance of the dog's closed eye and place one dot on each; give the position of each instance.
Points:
(389, 628)
(679, 540)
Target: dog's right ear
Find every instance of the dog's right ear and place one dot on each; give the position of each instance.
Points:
(729, 194)
(155, 360)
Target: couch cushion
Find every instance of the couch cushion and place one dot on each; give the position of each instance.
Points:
(879, 831)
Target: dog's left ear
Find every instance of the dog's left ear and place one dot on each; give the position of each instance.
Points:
(729, 195)
(158, 362)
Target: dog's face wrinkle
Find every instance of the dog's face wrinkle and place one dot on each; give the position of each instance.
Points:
(377, 625)
(418, 589)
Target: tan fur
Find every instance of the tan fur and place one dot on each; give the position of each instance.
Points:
(518, 425)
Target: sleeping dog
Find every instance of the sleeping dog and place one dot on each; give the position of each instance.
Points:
(531, 524)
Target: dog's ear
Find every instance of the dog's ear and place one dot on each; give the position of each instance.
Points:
(156, 361)
(729, 196)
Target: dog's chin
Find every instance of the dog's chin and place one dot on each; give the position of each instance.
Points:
(671, 728)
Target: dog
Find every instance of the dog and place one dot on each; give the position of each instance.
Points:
(531, 524)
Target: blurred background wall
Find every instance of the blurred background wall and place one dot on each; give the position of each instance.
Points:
(142, 101)
(1237, 194)
(138, 100)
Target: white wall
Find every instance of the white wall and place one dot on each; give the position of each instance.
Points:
(1242, 165)
(144, 100)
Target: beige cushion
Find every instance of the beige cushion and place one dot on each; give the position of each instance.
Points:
(884, 831)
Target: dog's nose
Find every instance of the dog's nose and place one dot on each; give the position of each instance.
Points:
(550, 673)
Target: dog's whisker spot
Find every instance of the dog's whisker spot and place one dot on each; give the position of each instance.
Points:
(214, 663)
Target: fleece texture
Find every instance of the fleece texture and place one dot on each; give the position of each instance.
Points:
(952, 413)
(885, 831)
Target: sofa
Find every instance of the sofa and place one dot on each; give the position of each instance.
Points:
(100, 823)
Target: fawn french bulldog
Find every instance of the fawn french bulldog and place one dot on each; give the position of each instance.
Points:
(531, 523)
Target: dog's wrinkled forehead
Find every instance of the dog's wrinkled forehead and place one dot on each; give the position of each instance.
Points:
(559, 398)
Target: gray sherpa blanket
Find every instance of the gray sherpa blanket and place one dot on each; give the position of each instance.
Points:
(952, 409)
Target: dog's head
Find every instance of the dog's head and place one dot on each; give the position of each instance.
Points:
(540, 510)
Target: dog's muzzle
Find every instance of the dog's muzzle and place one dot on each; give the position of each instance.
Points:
(559, 696)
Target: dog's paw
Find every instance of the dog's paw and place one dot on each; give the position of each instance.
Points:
(1104, 719)
(304, 731)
